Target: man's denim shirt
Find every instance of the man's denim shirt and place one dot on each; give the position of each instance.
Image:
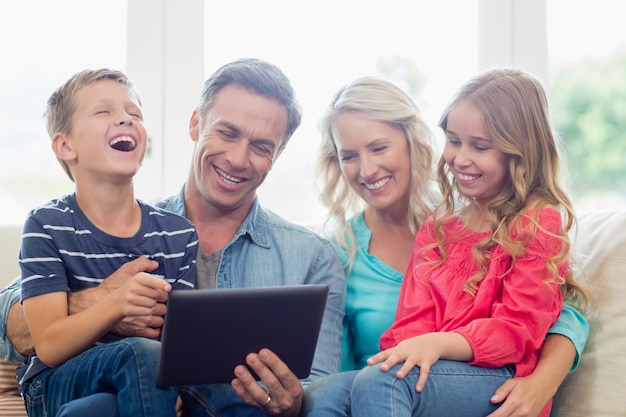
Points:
(269, 251)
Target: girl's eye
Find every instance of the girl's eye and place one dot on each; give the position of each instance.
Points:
(453, 141)
(346, 158)
(379, 148)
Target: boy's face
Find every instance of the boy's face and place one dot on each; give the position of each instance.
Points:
(107, 139)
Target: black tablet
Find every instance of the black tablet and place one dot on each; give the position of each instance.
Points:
(207, 333)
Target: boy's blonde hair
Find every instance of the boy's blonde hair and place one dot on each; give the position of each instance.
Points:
(62, 104)
(381, 100)
(515, 114)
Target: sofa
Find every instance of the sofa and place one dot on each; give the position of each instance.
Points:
(596, 389)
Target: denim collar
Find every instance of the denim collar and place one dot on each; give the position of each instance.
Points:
(254, 225)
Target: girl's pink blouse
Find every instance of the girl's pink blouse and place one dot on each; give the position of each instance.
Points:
(507, 319)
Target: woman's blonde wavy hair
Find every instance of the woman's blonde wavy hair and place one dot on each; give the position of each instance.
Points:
(515, 112)
(376, 99)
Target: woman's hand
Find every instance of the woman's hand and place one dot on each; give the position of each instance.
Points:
(526, 397)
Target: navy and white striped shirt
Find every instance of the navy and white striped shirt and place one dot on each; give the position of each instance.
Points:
(62, 250)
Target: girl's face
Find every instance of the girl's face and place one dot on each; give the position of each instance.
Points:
(478, 167)
(374, 159)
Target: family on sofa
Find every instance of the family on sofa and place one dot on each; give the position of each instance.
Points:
(235, 146)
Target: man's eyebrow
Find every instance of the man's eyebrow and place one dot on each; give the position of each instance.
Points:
(227, 125)
(264, 141)
(235, 129)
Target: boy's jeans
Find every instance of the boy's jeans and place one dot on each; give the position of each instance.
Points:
(126, 368)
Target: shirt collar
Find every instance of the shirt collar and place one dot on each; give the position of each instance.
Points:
(256, 225)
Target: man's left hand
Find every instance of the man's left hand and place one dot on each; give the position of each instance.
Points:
(284, 393)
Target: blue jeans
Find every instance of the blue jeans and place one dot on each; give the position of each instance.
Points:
(101, 404)
(126, 368)
(216, 400)
(452, 389)
(199, 400)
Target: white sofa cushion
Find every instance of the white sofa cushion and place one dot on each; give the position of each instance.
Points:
(596, 388)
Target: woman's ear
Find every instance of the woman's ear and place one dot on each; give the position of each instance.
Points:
(62, 147)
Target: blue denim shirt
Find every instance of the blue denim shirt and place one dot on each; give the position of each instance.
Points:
(270, 251)
(8, 296)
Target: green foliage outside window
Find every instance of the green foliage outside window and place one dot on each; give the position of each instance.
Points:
(588, 104)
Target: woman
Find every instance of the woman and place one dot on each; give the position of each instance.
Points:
(375, 164)
(375, 170)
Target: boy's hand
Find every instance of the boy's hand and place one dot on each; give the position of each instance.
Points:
(80, 300)
(140, 295)
(148, 326)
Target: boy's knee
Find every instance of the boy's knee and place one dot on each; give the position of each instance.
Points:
(95, 405)
(142, 346)
(144, 353)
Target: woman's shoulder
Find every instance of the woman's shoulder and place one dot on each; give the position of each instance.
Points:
(357, 223)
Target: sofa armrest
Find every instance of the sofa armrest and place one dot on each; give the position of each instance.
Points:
(596, 388)
(11, 403)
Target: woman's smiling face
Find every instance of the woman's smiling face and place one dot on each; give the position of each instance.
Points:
(374, 159)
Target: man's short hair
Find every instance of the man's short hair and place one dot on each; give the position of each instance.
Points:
(259, 77)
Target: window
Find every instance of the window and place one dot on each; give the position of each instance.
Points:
(42, 44)
(325, 44)
(321, 46)
(587, 67)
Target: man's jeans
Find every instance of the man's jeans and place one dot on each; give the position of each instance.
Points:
(214, 400)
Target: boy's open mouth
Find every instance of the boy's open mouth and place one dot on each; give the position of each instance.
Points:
(123, 143)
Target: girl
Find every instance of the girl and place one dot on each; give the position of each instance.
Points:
(484, 283)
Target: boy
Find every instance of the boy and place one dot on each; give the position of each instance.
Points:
(74, 242)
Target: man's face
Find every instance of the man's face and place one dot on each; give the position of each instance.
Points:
(237, 141)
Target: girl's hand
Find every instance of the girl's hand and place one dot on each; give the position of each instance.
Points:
(423, 351)
(417, 351)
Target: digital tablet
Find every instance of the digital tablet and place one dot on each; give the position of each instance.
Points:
(207, 333)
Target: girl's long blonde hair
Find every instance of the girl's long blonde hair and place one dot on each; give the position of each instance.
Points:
(515, 112)
(376, 99)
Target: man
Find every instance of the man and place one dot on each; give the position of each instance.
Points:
(246, 115)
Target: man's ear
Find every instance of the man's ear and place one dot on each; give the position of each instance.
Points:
(194, 126)
(62, 147)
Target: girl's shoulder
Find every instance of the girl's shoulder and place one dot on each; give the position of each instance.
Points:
(545, 216)
(452, 227)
